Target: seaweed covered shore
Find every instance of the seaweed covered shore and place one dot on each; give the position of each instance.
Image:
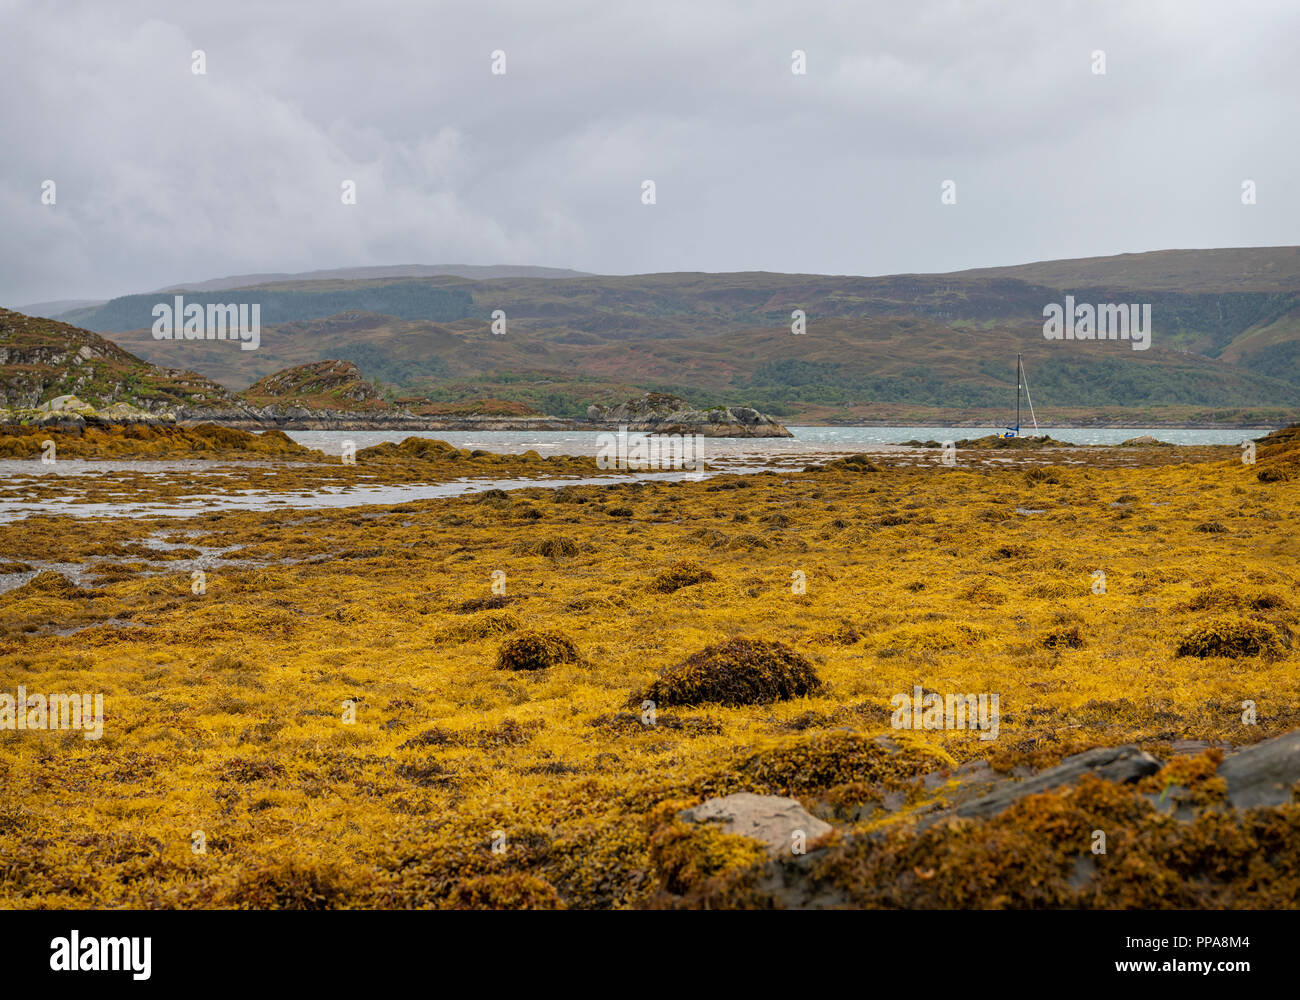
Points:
(537, 698)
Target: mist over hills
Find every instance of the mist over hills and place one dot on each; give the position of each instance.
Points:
(51, 310)
(476, 271)
(1226, 336)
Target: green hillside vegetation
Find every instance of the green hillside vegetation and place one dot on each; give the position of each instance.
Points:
(42, 359)
(322, 385)
(1246, 269)
(1226, 337)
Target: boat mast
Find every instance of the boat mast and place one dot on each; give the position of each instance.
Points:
(1017, 393)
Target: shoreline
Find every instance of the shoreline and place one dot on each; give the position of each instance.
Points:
(563, 424)
(977, 424)
(486, 424)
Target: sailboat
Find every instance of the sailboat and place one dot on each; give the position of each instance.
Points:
(1011, 432)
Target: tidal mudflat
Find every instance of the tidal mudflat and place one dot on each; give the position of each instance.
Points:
(526, 697)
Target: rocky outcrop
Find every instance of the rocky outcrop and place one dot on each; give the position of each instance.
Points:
(660, 413)
(1144, 441)
(1263, 774)
(335, 386)
(1119, 764)
(954, 812)
(70, 412)
(56, 375)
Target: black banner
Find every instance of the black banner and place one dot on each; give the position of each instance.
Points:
(914, 949)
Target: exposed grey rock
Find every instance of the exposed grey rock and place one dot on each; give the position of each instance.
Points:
(1084, 870)
(1263, 774)
(772, 819)
(67, 403)
(1190, 748)
(1145, 441)
(1119, 764)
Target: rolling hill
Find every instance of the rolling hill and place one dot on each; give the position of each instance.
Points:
(1225, 346)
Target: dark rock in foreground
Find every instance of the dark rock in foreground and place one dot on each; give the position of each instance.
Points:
(1263, 774)
(1118, 764)
(986, 841)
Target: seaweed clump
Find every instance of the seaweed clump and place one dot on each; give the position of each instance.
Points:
(854, 463)
(736, 672)
(683, 573)
(684, 855)
(554, 547)
(51, 584)
(536, 649)
(841, 759)
(481, 626)
(1062, 637)
(1229, 635)
(512, 891)
(291, 885)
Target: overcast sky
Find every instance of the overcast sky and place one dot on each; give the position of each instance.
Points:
(165, 176)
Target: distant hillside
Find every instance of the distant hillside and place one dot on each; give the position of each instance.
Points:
(1226, 337)
(1238, 269)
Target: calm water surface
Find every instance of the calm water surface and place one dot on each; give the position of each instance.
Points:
(809, 444)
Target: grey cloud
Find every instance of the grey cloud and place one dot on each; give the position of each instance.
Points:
(164, 176)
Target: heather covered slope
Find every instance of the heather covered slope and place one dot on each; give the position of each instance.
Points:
(1231, 269)
(323, 385)
(44, 359)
